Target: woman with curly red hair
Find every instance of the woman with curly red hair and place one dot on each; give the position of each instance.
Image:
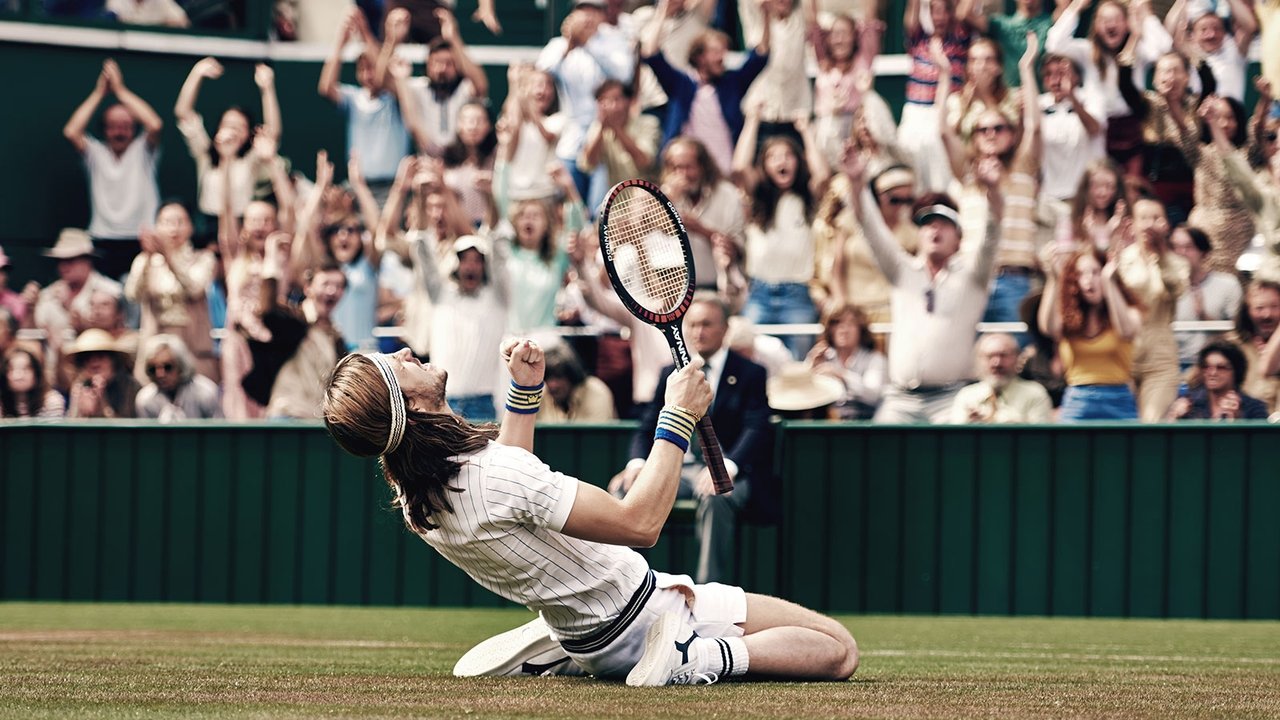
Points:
(1094, 319)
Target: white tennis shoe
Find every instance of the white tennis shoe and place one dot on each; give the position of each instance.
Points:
(526, 650)
(672, 656)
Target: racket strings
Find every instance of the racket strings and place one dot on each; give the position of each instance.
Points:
(645, 244)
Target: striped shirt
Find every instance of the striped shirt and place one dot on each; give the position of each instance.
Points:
(505, 532)
(1019, 229)
(922, 83)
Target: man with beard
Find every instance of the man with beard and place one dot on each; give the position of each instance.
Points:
(121, 167)
(1000, 396)
(450, 81)
(705, 105)
(709, 205)
(469, 320)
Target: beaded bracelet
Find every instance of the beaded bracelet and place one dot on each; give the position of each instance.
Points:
(524, 400)
(675, 425)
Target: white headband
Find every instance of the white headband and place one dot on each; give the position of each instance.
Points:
(399, 415)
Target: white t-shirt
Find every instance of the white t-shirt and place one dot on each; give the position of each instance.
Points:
(505, 532)
(123, 194)
(1067, 147)
(440, 111)
(209, 178)
(148, 12)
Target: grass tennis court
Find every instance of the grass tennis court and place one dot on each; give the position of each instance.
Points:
(206, 661)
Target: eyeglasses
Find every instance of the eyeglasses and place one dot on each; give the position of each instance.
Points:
(901, 200)
(991, 129)
(154, 368)
(928, 300)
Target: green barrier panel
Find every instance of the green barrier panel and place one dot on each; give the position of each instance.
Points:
(1105, 520)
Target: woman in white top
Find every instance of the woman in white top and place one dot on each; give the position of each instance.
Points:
(1113, 29)
(235, 127)
(468, 162)
(782, 187)
(529, 127)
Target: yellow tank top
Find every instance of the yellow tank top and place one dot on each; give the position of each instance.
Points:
(1103, 360)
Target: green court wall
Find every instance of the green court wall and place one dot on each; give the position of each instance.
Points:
(1106, 520)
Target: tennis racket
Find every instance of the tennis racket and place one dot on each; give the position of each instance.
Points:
(650, 263)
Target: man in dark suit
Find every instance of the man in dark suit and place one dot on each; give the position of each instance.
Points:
(740, 414)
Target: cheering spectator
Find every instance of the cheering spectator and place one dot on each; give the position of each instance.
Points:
(1113, 27)
(1094, 318)
(123, 196)
(102, 386)
(575, 396)
(63, 306)
(1171, 134)
(376, 134)
(706, 104)
(1267, 13)
(740, 413)
(169, 280)
(984, 88)
(624, 142)
(1259, 191)
(18, 304)
(1203, 33)
(1072, 128)
(24, 389)
(921, 116)
(528, 131)
(176, 391)
(430, 104)
(468, 164)
(1218, 206)
(538, 259)
(304, 344)
(580, 59)
(709, 205)
(683, 22)
(782, 184)
(470, 321)
(844, 52)
(847, 270)
(1157, 277)
(847, 352)
(1000, 396)
(938, 296)
(1100, 209)
(781, 92)
(227, 154)
(995, 144)
(1222, 367)
(1211, 295)
(149, 12)
(1010, 31)
(1256, 336)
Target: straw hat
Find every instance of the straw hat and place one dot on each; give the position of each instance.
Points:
(93, 340)
(72, 243)
(796, 387)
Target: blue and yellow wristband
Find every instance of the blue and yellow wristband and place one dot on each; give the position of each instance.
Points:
(676, 426)
(523, 400)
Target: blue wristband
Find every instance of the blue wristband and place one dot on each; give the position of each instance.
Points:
(671, 437)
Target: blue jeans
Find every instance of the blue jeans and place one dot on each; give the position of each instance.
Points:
(592, 187)
(1005, 302)
(474, 408)
(782, 303)
(1098, 402)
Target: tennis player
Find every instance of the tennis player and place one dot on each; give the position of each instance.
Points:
(561, 547)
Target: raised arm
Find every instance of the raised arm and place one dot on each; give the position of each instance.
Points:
(185, 106)
(885, 248)
(332, 68)
(988, 172)
(1063, 30)
(1125, 318)
(653, 33)
(527, 366)
(395, 30)
(410, 112)
(911, 18)
(1049, 315)
(1244, 24)
(140, 109)
(1030, 98)
(951, 141)
(744, 152)
(265, 78)
(819, 170)
(466, 66)
(266, 155)
(74, 130)
(228, 224)
(370, 213)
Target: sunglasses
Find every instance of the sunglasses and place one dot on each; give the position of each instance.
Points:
(901, 200)
(155, 368)
(1215, 366)
(992, 129)
(1271, 136)
(928, 300)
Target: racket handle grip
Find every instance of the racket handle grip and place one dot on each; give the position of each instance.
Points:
(713, 456)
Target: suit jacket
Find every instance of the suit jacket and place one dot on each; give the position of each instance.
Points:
(739, 412)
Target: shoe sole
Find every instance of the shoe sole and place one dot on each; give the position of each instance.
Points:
(654, 669)
(510, 652)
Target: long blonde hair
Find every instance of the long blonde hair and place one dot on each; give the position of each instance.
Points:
(357, 413)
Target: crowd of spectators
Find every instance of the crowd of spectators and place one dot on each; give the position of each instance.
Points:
(1035, 176)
